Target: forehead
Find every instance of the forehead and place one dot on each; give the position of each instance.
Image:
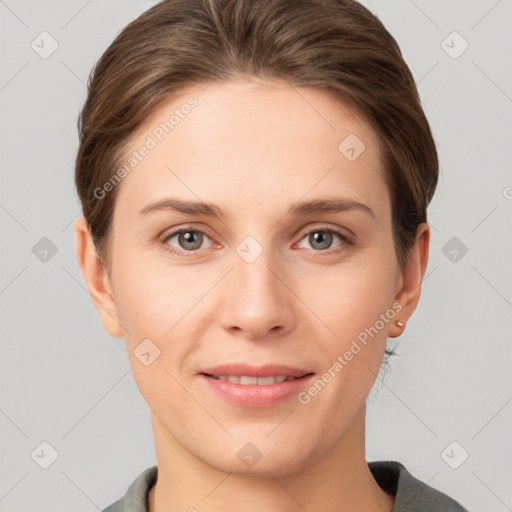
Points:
(256, 141)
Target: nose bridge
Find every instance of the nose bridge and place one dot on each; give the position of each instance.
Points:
(257, 299)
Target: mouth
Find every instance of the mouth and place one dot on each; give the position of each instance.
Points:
(246, 380)
(255, 386)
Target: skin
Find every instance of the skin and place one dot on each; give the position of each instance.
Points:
(254, 149)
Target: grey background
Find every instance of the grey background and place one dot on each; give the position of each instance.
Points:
(65, 381)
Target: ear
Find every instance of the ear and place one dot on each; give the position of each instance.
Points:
(411, 279)
(96, 278)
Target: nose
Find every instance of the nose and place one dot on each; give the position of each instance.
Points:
(258, 302)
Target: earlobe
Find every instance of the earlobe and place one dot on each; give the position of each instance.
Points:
(412, 277)
(96, 279)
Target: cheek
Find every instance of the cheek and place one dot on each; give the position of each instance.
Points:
(151, 298)
(350, 298)
(165, 304)
(355, 307)
(156, 307)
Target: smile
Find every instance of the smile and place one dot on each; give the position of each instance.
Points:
(247, 380)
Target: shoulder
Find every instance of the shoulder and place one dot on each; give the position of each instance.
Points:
(135, 499)
(411, 494)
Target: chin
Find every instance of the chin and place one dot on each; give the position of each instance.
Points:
(259, 456)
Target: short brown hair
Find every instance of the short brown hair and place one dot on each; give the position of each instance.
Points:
(337, 45)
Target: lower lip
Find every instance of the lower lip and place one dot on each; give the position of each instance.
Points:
(254, 395)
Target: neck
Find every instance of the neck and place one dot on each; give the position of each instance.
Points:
(338, 480)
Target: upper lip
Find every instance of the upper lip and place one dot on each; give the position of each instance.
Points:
(255, 371)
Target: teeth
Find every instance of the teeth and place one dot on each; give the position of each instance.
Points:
(246, 380)
(264, 381)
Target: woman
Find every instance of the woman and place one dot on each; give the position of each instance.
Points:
(254, 177)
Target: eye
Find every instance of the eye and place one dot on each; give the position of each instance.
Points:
(322, 238)
(188, 240)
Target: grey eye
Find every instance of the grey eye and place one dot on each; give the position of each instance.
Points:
(188, 240)
(320, 239)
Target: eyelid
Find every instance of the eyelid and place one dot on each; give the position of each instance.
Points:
(346, 236)
(176, 231)
(343, 232)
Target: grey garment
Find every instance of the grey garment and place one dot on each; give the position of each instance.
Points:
(411, 495)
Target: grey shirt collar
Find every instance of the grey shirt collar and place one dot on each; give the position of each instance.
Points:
(411, 494)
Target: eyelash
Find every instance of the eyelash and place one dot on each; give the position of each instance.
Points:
(347, 240)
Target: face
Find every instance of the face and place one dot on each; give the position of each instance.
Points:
(289, 272)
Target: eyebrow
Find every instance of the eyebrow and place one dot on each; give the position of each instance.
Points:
(300, 208)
